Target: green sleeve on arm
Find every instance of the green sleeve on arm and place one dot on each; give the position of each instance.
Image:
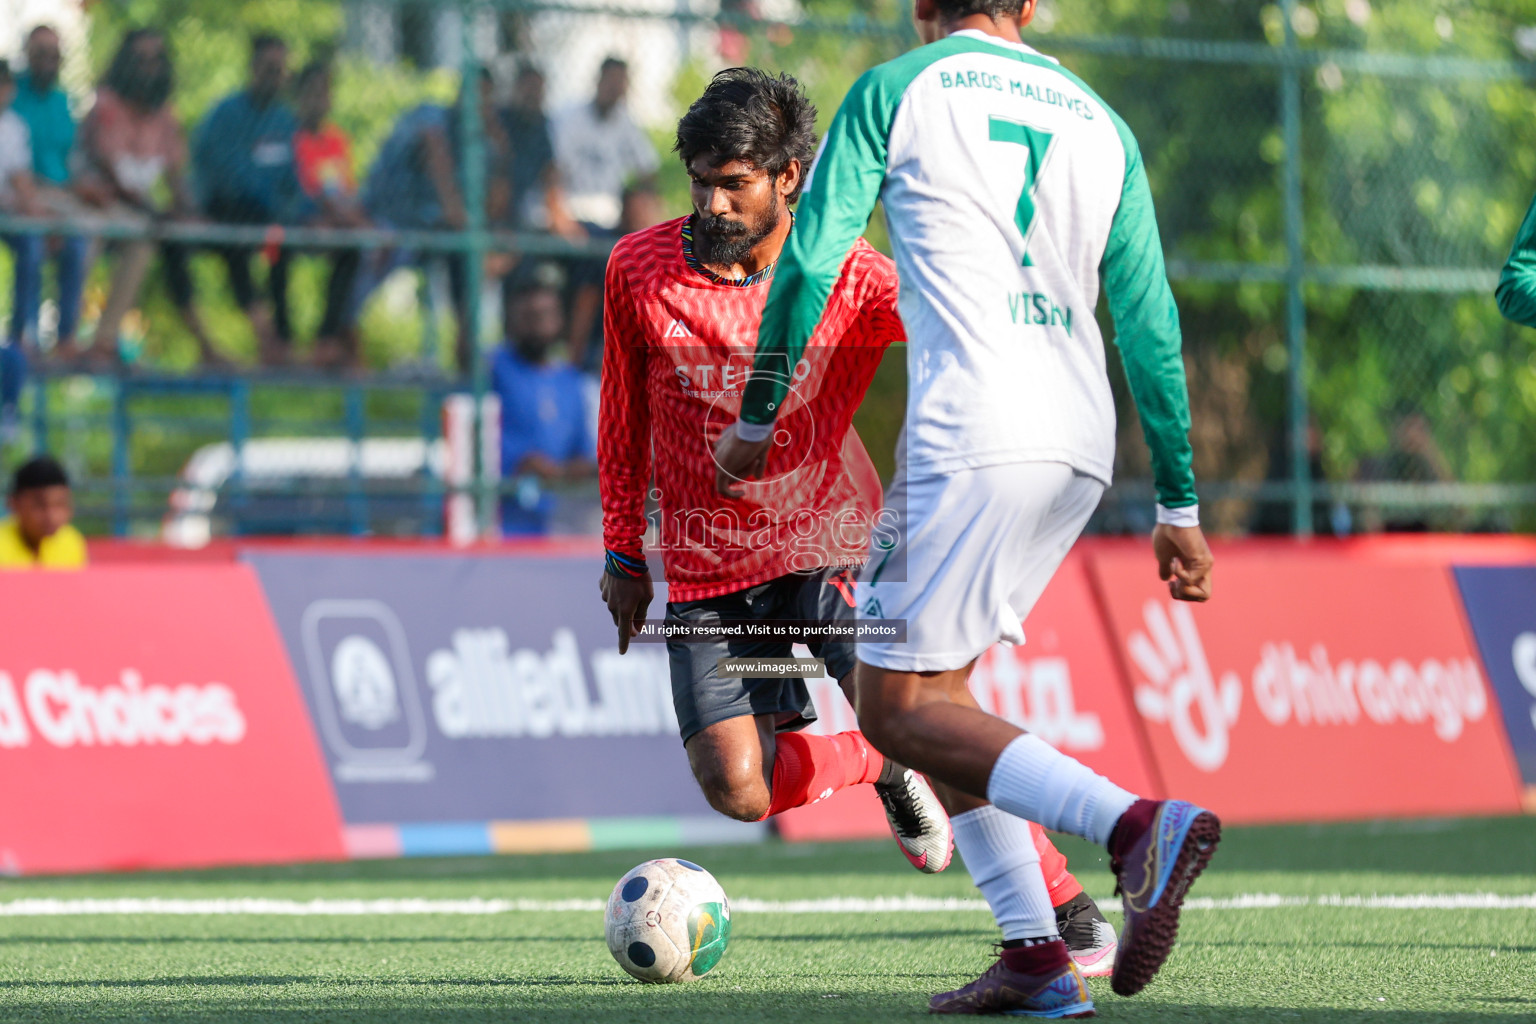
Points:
(832, 215)
(1147, 331)
(1517, 284)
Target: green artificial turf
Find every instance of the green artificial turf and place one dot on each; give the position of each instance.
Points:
(1288, 963)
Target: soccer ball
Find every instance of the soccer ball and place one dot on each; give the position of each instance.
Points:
(668, 921)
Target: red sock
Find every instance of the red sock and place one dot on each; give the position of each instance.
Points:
(1063, 885)
(812, 768)
(1039, 958)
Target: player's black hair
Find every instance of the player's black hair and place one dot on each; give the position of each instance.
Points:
(613, 63)
(991, 8)
(266, 41)
(748, 114)
(38, 472)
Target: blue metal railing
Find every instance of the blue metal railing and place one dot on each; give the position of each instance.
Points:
(120, 417)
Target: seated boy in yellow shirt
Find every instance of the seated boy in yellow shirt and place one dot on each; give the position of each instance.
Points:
(38, 533)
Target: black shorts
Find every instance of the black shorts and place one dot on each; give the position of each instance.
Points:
(703, 698)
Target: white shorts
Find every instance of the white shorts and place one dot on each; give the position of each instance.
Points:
(968, 556)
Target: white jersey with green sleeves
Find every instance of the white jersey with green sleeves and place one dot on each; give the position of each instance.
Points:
(1011, 193)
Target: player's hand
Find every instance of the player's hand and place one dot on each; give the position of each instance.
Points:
(1184, 560)
(737, 460)
(627, 601)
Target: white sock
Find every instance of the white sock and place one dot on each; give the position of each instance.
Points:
(1000, 854)
(1035, 781)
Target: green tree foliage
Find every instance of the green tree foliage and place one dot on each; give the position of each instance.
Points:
(1422, 172)
(1417, 169)
(1425, 167)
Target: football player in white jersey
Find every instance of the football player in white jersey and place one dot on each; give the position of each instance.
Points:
(1013, 194)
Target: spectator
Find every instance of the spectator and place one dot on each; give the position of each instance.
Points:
(641, 206)
(537, 199)
(545, 431)
(18, 195)
(735, 45)
(1274, 517)
(416, 183)
(609, 168)
(130, 149)
(601, 152)
(1412, 456)
(244, 162)
(45, 108)
(323, 159)
(38, 534)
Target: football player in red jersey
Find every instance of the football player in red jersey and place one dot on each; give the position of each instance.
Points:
(681, 313)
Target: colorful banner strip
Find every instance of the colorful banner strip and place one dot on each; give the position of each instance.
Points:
(444, 839)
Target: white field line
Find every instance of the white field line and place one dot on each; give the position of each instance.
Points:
(836, 905)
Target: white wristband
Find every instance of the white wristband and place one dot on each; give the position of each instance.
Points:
(1188, 515)
(753, 432)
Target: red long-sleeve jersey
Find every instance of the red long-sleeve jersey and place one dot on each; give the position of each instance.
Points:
(678, 347)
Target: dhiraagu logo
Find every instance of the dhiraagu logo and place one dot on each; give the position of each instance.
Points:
(709, 932)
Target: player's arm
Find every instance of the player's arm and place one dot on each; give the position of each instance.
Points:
(1151, 346)
(877, 326)
(1517, 284)
(624, 458)
(845, 185)
(880, 315)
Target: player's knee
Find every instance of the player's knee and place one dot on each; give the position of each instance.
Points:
(734, 790)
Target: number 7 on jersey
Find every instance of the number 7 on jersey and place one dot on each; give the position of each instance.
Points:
(1038, 144)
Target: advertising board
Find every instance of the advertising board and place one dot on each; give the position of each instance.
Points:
(1501, 606)
(1311, 687)
(1063, 684)
(148, 718)
(469, 692)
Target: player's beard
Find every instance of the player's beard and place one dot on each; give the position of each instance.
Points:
(728, 242)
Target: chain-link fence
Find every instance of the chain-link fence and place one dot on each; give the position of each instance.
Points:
(1334, 221)
(1337, 185)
